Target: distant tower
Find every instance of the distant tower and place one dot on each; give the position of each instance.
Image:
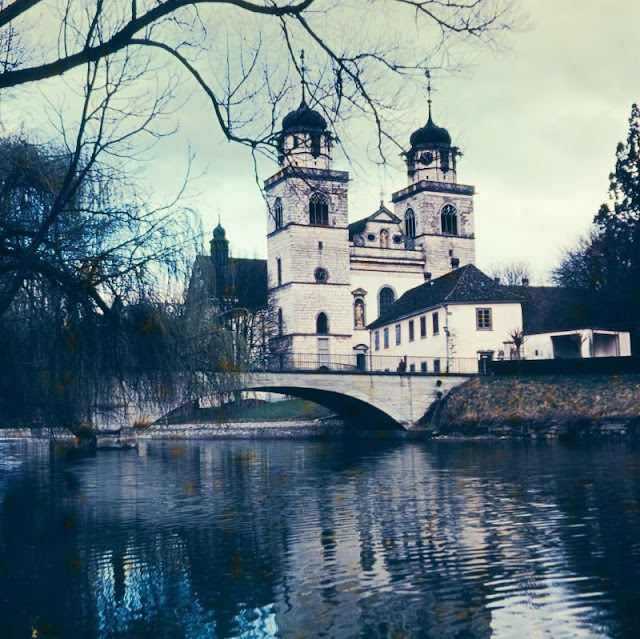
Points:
(437, 211)
(221, 280)
(308, 241)
(219, 247)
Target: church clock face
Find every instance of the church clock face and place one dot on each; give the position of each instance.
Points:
(426, 158)
(321, 275)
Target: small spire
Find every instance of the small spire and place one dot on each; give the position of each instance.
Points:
(428, 75)
(381, 197)
(303, 71)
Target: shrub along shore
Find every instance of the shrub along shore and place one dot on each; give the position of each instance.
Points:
(550, 406)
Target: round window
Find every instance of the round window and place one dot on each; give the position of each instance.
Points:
(321, 274)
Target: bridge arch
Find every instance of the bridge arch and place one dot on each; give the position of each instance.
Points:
(353, 410)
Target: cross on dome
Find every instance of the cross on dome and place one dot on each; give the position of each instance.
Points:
(428, 76)
(303, 71)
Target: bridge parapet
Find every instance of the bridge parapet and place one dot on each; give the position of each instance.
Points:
(371, 362)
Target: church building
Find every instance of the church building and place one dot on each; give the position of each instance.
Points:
(328, 278)
(396, 290)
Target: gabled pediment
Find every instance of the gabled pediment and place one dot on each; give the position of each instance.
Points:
(385, 216)
(359, 292)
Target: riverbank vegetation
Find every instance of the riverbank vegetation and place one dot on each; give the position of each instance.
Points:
(542, 405)
(253, 411)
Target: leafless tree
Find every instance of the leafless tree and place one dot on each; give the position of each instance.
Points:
(81, 254)
(518, 337)
(243, 54)
(514, 273)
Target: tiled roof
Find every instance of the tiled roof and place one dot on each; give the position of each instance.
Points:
(465, 284)
(547, 309)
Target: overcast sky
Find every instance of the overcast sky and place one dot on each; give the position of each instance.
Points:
(538, 122)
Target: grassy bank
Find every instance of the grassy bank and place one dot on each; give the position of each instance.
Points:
(255, 411)
(542, 405)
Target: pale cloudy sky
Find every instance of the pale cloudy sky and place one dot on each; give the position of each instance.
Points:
(537, 120)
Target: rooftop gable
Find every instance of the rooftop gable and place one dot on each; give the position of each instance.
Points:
(382, 216)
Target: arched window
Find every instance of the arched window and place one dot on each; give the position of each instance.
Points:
(277, 213)
(280, 322)
(410, 223)
(358, 313)
(449, 219)
(386, 298)
(318, 210)
(322, 324)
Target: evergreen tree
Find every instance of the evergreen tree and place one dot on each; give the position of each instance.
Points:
(608, 260)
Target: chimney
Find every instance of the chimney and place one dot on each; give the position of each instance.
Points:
(427, 276)
(525, 281)
(496, 280)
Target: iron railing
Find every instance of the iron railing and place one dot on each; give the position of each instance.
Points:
(365, 362)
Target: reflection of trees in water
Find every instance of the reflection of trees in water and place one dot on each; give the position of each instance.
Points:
(563, 524)
(313, 537)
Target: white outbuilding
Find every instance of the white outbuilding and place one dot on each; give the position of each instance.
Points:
(456, 323)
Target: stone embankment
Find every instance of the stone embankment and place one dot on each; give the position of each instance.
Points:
(550, 406)
(243, 430)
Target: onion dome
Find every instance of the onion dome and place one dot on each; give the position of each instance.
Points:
(219, 233)
(430, 133)
(303, 119)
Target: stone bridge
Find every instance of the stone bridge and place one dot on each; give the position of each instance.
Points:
(367, 400)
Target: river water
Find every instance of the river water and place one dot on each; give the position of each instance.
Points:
(302, 539)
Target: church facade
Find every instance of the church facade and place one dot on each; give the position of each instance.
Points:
(328, 278)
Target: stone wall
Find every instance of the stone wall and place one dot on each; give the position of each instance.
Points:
(546, 406)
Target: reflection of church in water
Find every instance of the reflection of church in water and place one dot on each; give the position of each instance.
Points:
(327, 278)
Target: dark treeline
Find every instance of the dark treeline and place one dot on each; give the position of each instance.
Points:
(606, 262)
